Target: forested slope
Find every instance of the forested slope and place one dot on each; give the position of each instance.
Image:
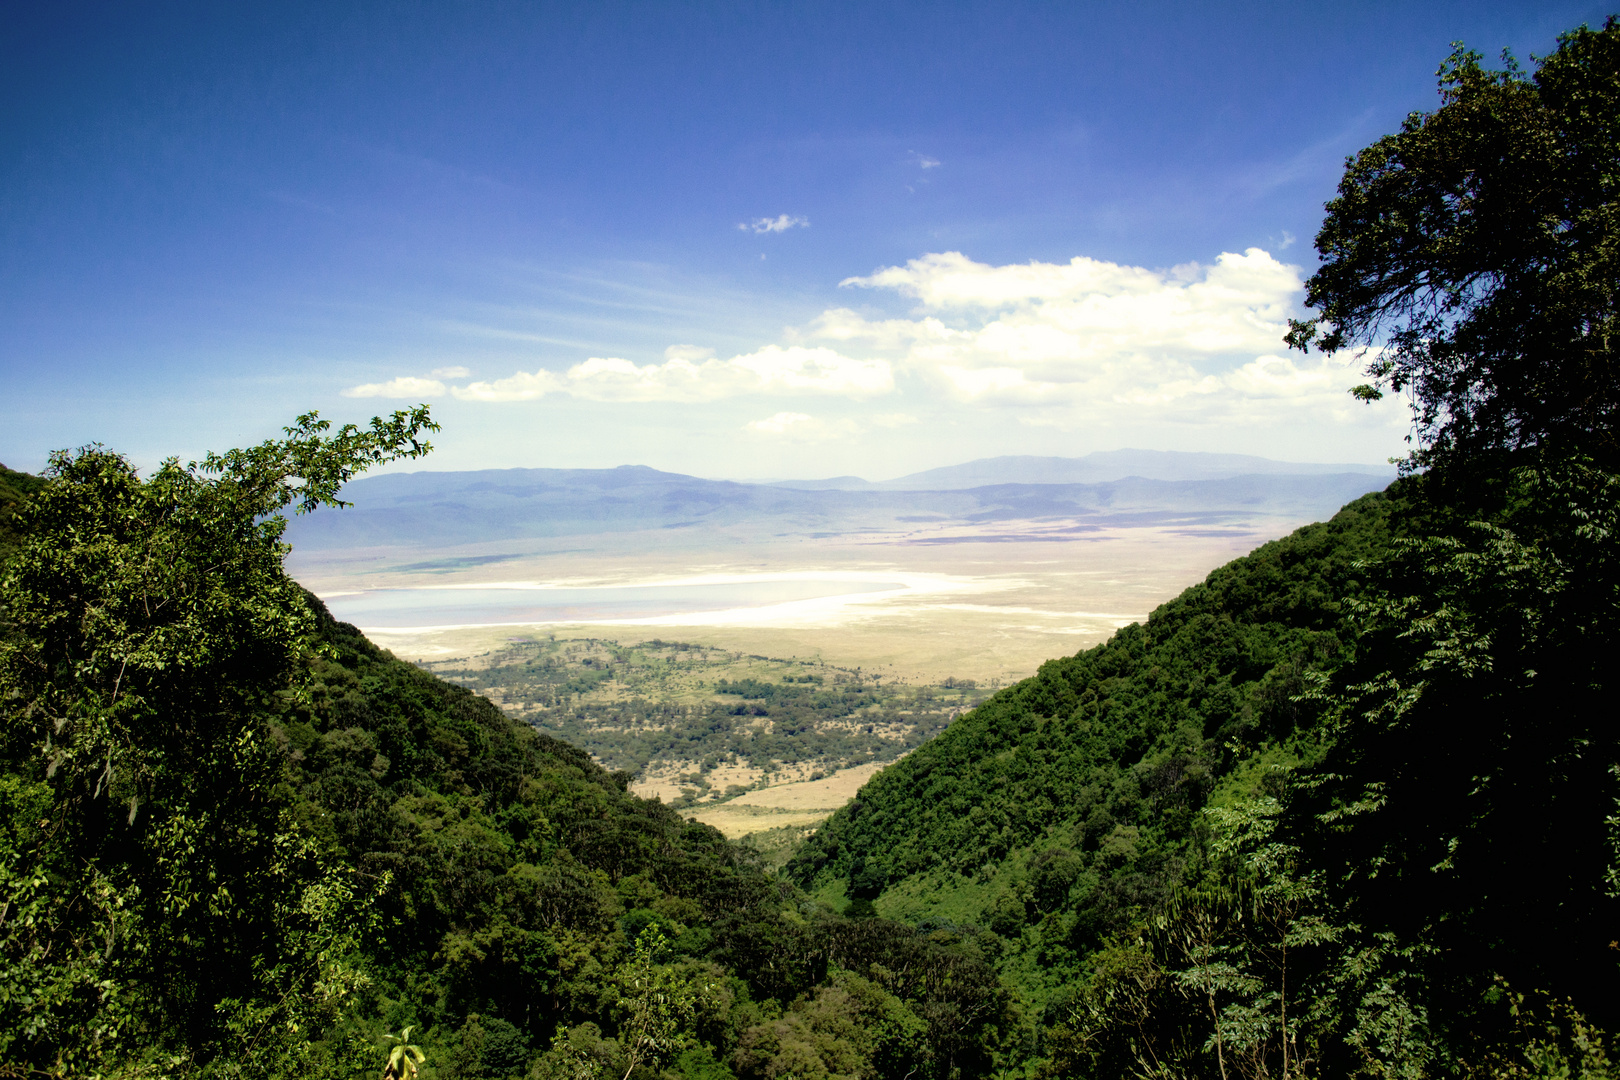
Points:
(497, 839)
(15, 487)
(1068, 805)
(521, 875)
(1322, 819)
(238, 839)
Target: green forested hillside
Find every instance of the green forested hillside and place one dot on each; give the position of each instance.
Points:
(1066, 807)
(1327, 818)
(241, 840)
(236, 839)
(522, 874)
(1349, 803)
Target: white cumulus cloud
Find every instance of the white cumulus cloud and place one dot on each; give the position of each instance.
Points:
(780, 223)
(685, 376)
(522, 386)
(406, 386)
(454, 371)
(1083, 344)
(1100, 340)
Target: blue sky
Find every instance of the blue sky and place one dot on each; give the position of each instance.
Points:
(770, 239)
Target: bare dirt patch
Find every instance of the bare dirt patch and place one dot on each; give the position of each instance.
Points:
(802, 804)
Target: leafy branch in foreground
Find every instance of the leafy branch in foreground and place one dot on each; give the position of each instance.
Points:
(659, 1005)
(1466, 797)
(404, 1056)
(310, 467)
(1227, 973)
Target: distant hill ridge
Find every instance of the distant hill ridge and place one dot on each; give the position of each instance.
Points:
(420, 509)
(1102, 466)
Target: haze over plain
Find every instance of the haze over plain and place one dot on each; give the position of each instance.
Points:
(982, 571)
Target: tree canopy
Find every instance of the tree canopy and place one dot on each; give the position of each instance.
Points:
(1475, 255)
(148, 875)
(1466, 797)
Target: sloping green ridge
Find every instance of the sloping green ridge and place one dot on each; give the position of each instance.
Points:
(513, 876)
(485, 825)
(15, 487)
(522, 872)
(1068, 803)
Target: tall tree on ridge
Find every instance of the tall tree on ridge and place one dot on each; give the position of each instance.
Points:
(1475, 255)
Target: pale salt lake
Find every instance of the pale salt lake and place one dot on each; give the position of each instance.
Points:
(523, 605)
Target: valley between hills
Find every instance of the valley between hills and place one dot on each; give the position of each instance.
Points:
(997, 579)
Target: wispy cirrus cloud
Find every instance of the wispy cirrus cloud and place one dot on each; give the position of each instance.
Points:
(801, 427)
(780, 223)
(406, 386)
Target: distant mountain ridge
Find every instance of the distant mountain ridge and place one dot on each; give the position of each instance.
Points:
(1100, 467)
(425, 509)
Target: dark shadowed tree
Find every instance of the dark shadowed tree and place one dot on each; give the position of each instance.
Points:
(1466, 804)
(1476, 255)
(1458, 832)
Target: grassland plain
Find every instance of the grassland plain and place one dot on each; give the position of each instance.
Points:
(744, 742)
(1009, 562)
